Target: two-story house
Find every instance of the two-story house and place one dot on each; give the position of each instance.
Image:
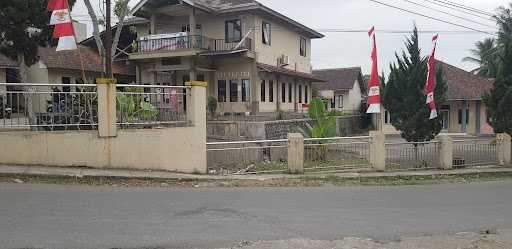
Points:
(253, 58)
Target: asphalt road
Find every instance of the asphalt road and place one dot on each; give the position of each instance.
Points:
(47, 216)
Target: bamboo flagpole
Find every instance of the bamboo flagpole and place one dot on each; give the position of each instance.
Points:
(64, 29)
(430, 85)
(374, 105)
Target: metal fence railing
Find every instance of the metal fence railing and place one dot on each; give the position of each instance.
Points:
(248, 157)
(48, 107)
(412, 155)
(151, 105)
(336, 154)
(474, 152)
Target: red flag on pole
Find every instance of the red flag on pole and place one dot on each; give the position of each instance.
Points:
(374, 83)
(57, 5)
(61, 18)
(430, 86)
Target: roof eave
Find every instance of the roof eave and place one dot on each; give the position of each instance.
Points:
(188, 2)
(313, 33)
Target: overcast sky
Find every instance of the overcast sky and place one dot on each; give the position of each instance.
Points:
(352, 49)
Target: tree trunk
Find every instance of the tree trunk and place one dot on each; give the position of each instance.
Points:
(96, 29)
(28, 97)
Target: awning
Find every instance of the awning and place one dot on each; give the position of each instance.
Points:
(280, 70)
(223, 53)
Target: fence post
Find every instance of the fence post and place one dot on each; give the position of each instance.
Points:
(196, 103)
(445, 152)
(106, 90)
(295, 153)
(503, 141)
(378, 150)
(196, 116)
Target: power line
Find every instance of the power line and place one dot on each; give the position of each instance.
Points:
(458, 10)
(449, 32)
(462, 6)
(450, 14)
(433, 18)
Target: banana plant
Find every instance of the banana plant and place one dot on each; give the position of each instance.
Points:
(323, 126)
(132, 108)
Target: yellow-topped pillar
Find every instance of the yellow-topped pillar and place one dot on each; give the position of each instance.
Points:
(196, 115)
(107, 107)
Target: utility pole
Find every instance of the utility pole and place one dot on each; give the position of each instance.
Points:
(108, 39)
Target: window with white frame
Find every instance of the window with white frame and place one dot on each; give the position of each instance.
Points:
(266, 33)
(303, 46)
(233, 30)
(233, 90)
(340, 101)
(246, 90)
(263, 91)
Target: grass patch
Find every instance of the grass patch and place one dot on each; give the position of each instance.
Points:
(411, 180)
(303, 181)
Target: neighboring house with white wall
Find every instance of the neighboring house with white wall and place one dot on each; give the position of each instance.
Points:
(254, 58)
(343, 90)
(464, 112)
(8, 67)
(66, 67)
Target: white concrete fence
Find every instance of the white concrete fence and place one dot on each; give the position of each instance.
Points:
(148, 130)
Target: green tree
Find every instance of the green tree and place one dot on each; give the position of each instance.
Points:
(23, 28)
(499, 99)
(486, 55)
(403, 94)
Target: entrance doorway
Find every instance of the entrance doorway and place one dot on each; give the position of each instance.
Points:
(445, 118)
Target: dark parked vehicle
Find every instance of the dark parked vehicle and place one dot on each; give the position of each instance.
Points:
(5, 112)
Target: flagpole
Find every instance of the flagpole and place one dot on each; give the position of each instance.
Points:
(374, 102)
(108, 40)
(84, 78)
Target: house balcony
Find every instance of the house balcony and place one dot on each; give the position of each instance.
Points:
(172, 45)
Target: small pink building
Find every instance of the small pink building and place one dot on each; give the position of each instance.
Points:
(464, 111)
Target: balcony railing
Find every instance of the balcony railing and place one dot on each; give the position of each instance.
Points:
(155, 45)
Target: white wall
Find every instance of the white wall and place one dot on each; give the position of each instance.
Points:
(173, 149)
(283, 41)
(354, 98)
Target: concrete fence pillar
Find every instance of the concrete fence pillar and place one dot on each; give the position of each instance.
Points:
(378, 150)
(503, 141)
(295, 153)
(445, 152)
(107, 107)
(196, 116)
(196, 103)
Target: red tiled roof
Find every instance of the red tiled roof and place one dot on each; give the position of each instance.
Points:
(70, 59)
(337, 78)
(463, 85)
(6, 62)
(281, 70)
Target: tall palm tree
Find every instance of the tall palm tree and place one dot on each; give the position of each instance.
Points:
(486, 56)
(503, 18)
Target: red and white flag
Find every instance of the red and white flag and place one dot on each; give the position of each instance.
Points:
(374, 83)
(61, 18)
(430, 86)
